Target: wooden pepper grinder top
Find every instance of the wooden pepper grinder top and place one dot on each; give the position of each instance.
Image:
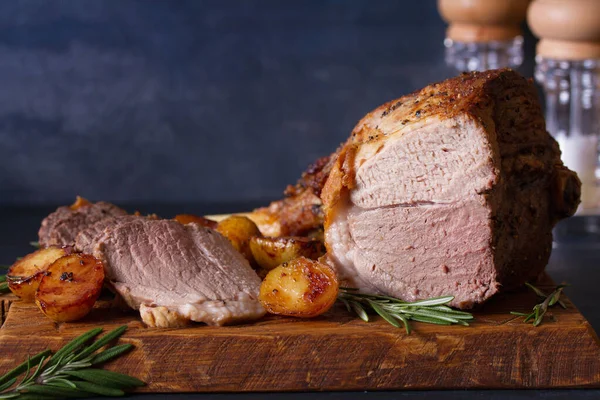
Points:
(483, 20)
(568, 29)
(483, 34)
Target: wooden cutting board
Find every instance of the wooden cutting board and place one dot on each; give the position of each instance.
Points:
(335, 351)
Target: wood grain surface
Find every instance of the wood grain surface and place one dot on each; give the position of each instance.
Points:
(335, 351)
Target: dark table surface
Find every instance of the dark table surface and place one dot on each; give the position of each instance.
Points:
(575, 259)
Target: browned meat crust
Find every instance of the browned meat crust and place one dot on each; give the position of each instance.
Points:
(300, 212)
(297, 215)
(313, 178)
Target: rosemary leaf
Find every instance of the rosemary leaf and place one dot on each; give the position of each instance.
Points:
(73, 345)
(107, 378)
(384, 314)
(452, 317)
(345, 302)
(436, 301)
(50, 369)
(531, 316)
(360, 311)
(111, 353)
(109, 337)
(97, 389)
(429, 320)
(555, 296)
(35, 244)
(56, 391)
(538, 319)
(456, 313)
(19, 369)
(63, 383)
(431, 314)
(36, 373)
(404, 321)
(10, 395)
(7, 384)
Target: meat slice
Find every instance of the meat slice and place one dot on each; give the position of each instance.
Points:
(62, 226)
(452, 190)
(85, 241)
(173, 272)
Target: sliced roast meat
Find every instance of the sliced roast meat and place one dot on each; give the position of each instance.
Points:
(62, 226)
(452, 190)
(173, 272)
(50, 222)
(87, 238)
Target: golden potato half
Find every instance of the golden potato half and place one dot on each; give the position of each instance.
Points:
(239, 229)
(24, 276)
(70, 287)
(300, 288)
(269, 252)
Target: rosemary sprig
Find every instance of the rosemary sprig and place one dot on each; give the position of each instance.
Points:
(543, 295)
(539, 310)
(67, 373)
(398, 313)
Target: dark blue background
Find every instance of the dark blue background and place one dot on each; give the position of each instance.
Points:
(195, 101)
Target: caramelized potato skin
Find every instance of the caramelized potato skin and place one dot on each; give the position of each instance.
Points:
(269, 252)
(300, 288)
(191, 218)
(239, 229)
(70, 287)
(24, 275)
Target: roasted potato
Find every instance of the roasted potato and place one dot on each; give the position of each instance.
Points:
(24, 276)
(270, 252)
(189, 218)
(70, 287)
(239, 230)
(300, 288)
